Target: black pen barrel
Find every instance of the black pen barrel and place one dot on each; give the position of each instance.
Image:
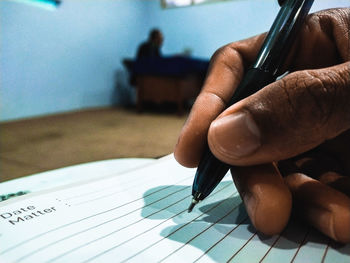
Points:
(210, 170)
(282, 34)
(269, 61)
(203, 185)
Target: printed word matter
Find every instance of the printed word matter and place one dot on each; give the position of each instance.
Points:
(24, 214)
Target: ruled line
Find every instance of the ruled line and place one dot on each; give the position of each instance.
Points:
(95, 191)
(126, 241)
(126, 173)
(110, 249)
(78, 221)
(167, 236)
(326, 251)
(204, 230)
(272, 246)
(113, 193)
(302, 243)
(112, 233)
(131, 186)
(108, 221)
(221, 239)
(240, 249)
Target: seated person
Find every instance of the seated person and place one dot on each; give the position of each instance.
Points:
(149, 60)
(151, 48)
(165, 78)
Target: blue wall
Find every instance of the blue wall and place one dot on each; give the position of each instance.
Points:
(67, 59)
(54, 61)
(207, 27)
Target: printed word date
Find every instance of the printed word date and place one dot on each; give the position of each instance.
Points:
(24, 214)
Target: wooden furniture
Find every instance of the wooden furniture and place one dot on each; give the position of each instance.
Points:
(159, 89)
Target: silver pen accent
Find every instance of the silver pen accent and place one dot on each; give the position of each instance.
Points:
(195, 200)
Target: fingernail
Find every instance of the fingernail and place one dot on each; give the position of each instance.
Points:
(236, 135)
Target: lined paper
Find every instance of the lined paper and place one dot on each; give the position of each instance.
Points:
(141, 216)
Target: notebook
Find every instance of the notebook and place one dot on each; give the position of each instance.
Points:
(141, 216)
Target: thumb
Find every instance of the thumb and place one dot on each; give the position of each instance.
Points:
(285, 118)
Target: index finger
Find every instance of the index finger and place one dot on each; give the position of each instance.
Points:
(224, 75)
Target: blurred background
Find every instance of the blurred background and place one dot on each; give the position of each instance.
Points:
(65, 90)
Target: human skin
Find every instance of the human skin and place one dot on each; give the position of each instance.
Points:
(289, 141)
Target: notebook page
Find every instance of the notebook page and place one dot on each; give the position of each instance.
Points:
(141, 216)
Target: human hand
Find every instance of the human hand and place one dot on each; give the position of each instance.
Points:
(297, 126)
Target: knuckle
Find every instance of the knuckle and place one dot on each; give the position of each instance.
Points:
(228, 56)
(335, 24)
(304, 100)
(220, 54)
(314, 102)
(320, 96)
(317, 98)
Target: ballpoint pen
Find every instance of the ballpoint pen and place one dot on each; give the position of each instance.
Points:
(264, 71)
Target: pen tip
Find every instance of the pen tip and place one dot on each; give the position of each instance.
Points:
(190, 208)
(192, 205)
